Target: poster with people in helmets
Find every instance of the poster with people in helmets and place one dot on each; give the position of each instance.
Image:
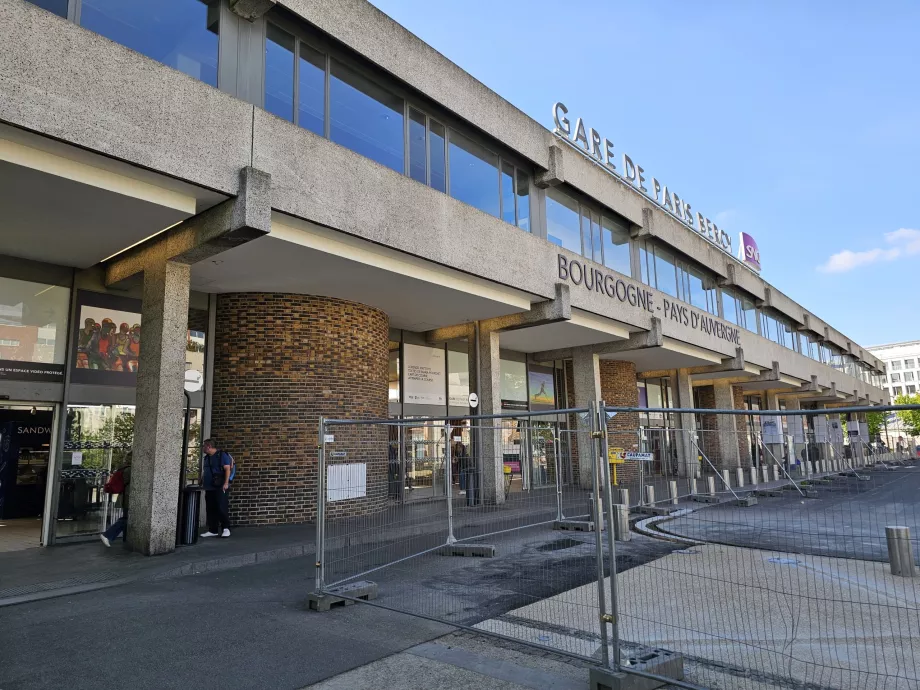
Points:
(108, 339)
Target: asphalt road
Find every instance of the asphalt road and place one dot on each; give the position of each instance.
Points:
(248, 627)
(846, 520)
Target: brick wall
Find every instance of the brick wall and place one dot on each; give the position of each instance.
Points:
(618, 387)
(708, 431)
(742, 426)
(280, 361)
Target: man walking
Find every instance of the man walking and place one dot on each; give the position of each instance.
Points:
(217, 473)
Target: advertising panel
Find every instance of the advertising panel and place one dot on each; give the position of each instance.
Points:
(107, 339)
(425, 375)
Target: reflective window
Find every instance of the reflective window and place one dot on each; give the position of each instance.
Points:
(748, 314)
(562, 225)
(665, 272)
(418, 156)
(279, 73)
(615, 239)
(58, 7)
(911, 390)
(908, 364)
(437, 156)
(311, 91)
(179, 33)
(473, 174)
(586, 241)
(908, 376)
(731, 307)
(458, 378)
(365, 118)
(33, 328)
(394, 372)
(508, 212)
(523, 200)
(896, 365)
(698, 290)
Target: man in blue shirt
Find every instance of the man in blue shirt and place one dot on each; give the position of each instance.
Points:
(217, 473)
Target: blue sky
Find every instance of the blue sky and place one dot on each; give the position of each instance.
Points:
(796, 122)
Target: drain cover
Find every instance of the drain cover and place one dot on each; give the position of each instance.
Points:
(784, 561)
(559, 544)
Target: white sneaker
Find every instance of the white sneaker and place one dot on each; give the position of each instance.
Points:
(225, 533)
(105, 540)
(209, 534)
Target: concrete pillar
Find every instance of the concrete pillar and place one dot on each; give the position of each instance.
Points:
(772, 403)
(726, 425)
(491, 458)
(586, 375)
(158, 416)
(687, 454)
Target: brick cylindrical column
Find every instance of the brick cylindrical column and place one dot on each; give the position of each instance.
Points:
(281, 361)
(618, 387)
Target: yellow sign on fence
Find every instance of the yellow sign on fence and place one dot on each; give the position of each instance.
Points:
(615, 456)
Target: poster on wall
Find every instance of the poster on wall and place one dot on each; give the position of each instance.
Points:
(425, 375)
(107, 339)
(542, 388)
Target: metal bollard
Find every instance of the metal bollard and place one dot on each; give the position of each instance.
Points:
(711, 481)
(621, 522)
(754, 481)
(672, 491)
(650, 495)
(739, 473)
(765, 471)
(726, 479)
(775, 473)
(691, 481)
(624, 497)
(900, 555)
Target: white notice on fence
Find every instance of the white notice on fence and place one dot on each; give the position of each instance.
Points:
(346, 481)
(425, 375)
(76, 458)
(769, 428)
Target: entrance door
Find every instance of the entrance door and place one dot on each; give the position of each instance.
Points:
(25, 456)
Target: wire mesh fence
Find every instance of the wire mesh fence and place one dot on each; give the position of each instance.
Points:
(758, 551)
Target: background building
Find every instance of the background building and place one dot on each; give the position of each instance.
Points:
(902, 364)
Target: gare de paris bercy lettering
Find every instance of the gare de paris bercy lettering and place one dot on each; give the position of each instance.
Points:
(600, 149)
(595, 280)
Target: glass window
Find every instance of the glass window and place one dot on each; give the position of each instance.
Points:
(58, 7)
(513, 385)
(896, 365)
(33, 326)
(597, 250)
(418, 156)
(616, 246)
(645, 268)
(586, 245)
(562, 225)
(279, 72)
(523, 200)
(699, 293)
(665, 272)
(311, 96)
(908, 376)
(911, 390)
(178, 33)
(731, 307)
(473, 174)
(394, 370)
(896, 390)
(508, 195)
(908, 364)
(365, 118)
(436, 156)
(748, 314)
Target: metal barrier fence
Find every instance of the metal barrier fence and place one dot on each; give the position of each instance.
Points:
(759, 554)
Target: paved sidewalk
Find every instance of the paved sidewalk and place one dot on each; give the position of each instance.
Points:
(35, 574)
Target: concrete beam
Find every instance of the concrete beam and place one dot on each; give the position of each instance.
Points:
(734, 363)
(555, 174)
(551, 311)
(251, 9)
(442, 335)
(640, 340)
(229, 224)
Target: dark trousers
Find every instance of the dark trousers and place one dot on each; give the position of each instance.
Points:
(217, 506)
(117, 527)
(469, 479)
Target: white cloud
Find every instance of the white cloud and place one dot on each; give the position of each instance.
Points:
(902, 242)
(726, 216)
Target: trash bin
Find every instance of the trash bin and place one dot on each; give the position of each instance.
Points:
(189, 508)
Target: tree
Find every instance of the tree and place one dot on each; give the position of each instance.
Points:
(909, 418)
(875, 421)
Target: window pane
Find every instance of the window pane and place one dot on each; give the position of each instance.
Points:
(562, 226)
(59, 7)
(279, 72)
(523, 200)
(418, 169)
(585, 233)
(312, 87)
(33, 322)
(749, 314)
(365, 118)
(643, 265)
(730, 307)
(665, 272)
(908, 364)
(436, 158)
(597, 251)
(178, 33)
(473, 174)
(458, 379)
(697, 291)
(394, 372)
(616, 246)
(508, 193)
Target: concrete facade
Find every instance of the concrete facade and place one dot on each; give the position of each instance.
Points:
(256, 216)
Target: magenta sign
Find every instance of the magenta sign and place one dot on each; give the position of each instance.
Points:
(748, 251)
